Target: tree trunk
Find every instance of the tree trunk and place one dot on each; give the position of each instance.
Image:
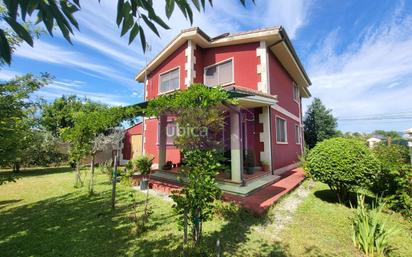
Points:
(114, 181)
(185, 226)
(78, 180)
(91, 183)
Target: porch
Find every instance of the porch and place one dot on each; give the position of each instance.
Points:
(258, 199)
(246, 144)
(252, 182)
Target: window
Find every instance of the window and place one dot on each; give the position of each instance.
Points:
(169, 81)
(295, 92)
(298, 134)
(281, 136)
(219, 74)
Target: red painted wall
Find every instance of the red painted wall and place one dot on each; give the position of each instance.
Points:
(282, 85)
(151, 143)
(127, 144)
(177, 59)
(244, 58)
(284, 154)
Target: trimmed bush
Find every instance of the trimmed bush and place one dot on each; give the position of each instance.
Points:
(393, 182)
(343, 164)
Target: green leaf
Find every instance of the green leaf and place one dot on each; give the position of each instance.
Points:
(133, 33)
(150, 25)
(68, 10)
(196, 4)
(159, 21)
(127, 24)
(20, 30)
(142, 38)
(11, 6)
(120, 4)
(170, 5)
(5, 51)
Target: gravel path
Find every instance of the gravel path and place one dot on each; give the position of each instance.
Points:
(282, 213)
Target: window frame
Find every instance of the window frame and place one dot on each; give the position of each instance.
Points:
(298, 134)
(296, 94)
(285, 128)
(160, 80)
(231, 59)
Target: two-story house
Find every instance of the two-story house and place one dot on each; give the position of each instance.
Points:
(260, 64)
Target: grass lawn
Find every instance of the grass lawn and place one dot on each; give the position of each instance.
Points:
(43, 215)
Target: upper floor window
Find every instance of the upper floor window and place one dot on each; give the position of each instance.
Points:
(281, 133)
(169, 81)
(295, 92)
(298, 134)
(219, 74)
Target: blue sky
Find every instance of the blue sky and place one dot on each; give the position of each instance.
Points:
(358, 54)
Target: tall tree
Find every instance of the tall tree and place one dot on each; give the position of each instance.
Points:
(60, 113)
(319, 123)
(16, 116)
(132, 16)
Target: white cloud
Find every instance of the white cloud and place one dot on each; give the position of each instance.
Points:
(59, 88)
(6, 75)
(371, 76)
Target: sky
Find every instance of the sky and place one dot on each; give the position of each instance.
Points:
(357, 53)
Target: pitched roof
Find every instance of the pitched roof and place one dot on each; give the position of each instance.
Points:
(275, 37)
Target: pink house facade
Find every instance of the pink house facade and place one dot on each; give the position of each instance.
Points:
(263, 66)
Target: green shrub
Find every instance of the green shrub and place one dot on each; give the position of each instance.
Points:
(371, 232)
(143, 164)
(343, 164)
(393, 182)
(106, 168)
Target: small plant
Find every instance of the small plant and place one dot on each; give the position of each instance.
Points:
(106, 168)
(143, 164)
(371, 232)
(266, 166)
(168, 165)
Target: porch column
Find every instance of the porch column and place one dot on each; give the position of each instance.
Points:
(265, 136)
(235, 147)
(162, 140)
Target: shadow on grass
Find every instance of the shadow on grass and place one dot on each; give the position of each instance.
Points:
(74, 225)
(314, 251)
(236, 232)
(329, 196)
(29, 172)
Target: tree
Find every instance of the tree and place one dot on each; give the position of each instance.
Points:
(393, 135)
(17, 116)
(86, 129)
(60, 113)
(132, 16)
(319, 123)
(200, 115)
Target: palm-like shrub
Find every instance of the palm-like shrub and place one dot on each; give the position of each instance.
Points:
(143, 164)
(371, 232)
(343, 164)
